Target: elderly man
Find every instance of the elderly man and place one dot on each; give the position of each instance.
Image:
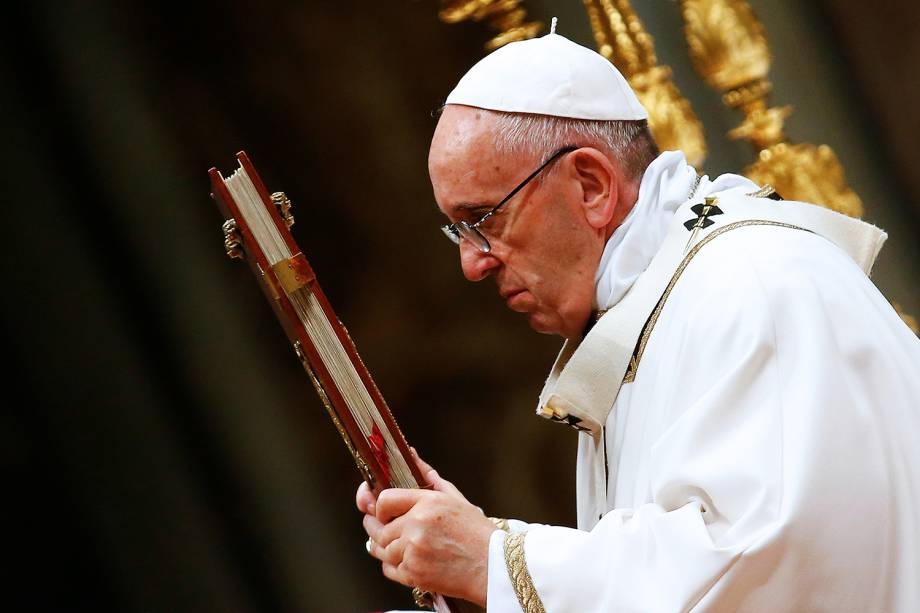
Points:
(746, 400)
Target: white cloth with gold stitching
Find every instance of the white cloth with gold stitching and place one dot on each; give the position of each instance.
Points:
(764, 458)
(633, 249)
(667, 183)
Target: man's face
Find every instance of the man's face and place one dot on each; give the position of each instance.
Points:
(544, 253)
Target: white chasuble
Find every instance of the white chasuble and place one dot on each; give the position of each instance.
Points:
(750, 416)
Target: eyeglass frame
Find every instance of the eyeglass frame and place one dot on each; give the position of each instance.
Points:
(471, 232)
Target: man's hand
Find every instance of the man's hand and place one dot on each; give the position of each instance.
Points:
(432, 539)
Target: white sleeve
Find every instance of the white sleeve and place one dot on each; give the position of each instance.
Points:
(770, 473)
(717, 490)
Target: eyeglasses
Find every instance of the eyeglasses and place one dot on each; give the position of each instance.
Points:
(470, 231)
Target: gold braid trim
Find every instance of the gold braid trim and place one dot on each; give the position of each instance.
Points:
(763, 192)
(650, 324)
(501, 523)
(520, 578)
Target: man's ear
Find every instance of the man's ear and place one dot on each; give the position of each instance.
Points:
(597, 185)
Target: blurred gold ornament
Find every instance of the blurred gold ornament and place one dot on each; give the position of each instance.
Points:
(910, 320)
(622, 39)
(727, 43)
(506, 16)
(729, 50)
(807, 173)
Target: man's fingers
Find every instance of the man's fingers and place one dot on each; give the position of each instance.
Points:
(390, 532)
(391, 572)
(372, 526)
(390, 554)
(443, 485)
(387, 551)
(437, 482)
(395, 502)
(424, 466)
(365, 499)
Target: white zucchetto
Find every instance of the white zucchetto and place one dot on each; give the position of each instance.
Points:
(549, 75)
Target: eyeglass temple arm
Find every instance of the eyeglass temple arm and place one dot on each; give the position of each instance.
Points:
(524, 183)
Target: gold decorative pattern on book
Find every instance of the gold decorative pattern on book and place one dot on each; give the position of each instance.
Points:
(330, 410)
(233, 244)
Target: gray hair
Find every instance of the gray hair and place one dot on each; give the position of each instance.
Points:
(630, 143)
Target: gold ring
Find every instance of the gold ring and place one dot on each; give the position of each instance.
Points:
(369, 544)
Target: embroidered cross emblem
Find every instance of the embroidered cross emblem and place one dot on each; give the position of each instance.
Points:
(703, 211)
(570, 420)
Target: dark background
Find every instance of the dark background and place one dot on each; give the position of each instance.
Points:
(162, 450)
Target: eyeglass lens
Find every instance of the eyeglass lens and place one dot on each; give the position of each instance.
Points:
(474, 236)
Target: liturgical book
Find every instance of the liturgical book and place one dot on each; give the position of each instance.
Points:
(257, 230)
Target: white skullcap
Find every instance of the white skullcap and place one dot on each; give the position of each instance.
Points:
(552, 76)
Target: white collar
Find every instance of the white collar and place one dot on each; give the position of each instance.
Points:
(668, 182)
(586, 378)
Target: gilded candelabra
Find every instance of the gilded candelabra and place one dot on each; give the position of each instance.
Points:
(506, 16)
(729, 49)
(622, 39)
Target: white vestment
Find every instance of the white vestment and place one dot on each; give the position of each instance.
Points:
(764, 454)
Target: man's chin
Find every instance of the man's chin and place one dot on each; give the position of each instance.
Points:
(543, 325)
(550, 324)
(539, 318)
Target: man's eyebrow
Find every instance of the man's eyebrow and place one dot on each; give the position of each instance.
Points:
(469, 209)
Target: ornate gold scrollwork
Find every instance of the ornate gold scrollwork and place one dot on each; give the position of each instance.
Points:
(233, 244)
(506, 16)
(729, 50)
(622, 39)
(280, 200)
(423, 599)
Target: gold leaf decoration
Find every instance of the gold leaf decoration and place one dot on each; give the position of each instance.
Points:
(910, 320)
(727, 43)
(729, 50)
(622, 39)
(506, 16)
(807, 173)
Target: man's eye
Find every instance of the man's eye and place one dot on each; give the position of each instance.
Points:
(495, 218)
(480, 214)
(470, 217)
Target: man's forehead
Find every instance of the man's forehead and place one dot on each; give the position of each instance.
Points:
(468, 173)
(463, 131)
(463, 151)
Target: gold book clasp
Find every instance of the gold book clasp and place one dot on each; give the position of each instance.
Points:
(293, 273)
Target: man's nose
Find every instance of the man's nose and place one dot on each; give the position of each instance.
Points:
(475, 264)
